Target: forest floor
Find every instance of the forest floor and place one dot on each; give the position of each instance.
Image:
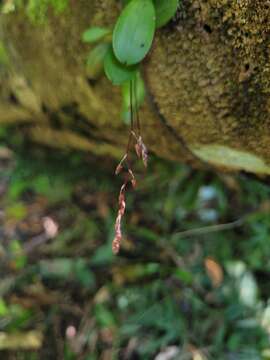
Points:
(191, 280)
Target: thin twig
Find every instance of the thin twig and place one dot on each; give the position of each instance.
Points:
(212, 228)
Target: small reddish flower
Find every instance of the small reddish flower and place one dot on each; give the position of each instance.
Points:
(121, 211)
(119, 167)
(141, 149)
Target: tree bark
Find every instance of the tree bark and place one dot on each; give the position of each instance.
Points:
(207, 78)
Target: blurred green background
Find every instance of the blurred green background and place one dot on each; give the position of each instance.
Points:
(191, 280)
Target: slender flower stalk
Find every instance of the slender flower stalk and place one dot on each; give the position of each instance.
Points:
(142, 153)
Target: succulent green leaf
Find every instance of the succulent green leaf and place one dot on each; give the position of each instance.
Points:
(95, 60)
(94, 34)
(125, 2)
(116, 72)
(134, 31)
(165, 10)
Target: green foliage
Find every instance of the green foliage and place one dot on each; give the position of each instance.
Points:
(116, 72)
(132, 38)
(3, 308)
(131, 41)
(14, 316)
(95, 60)
(17, 255)
(165, 10)
(64, 268)
(134, 32)
(104, 316)
(95, 34)
(16, 211)
(125, 2)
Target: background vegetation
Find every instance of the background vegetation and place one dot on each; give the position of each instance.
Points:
(183, 287)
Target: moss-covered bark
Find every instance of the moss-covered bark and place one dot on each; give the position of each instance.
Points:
(208, 81)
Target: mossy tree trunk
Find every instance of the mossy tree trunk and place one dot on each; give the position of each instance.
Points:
(207, 79)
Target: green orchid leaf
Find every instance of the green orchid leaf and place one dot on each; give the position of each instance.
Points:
(116, 72)
(95, 60)
(134, 31)
(94, 34)
(165, 10)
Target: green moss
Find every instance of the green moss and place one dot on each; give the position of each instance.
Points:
(3, 54)
(209, 74)
(37, 9)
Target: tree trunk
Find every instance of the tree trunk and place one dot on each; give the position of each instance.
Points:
(207, 78)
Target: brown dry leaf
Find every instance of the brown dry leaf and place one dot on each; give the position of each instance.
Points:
(118, 276)
(196, 353)
(214, 271)
(102, 295)
(107, 335)
(265, 206)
